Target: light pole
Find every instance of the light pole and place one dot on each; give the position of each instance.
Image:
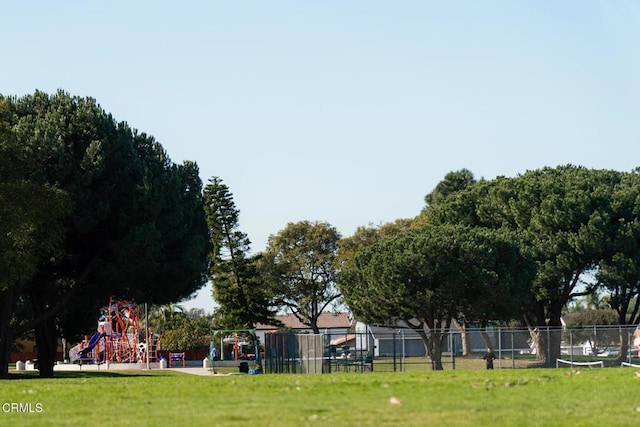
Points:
(146, 332)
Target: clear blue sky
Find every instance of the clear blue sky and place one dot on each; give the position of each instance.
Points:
(344, 111)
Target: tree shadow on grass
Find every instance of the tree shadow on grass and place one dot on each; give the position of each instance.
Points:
(61, 375)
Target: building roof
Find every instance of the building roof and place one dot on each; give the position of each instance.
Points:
(342, 339)
(325, 321)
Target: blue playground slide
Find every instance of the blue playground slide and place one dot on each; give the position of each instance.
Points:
(92, 343)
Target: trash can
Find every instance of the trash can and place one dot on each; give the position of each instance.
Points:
(244, 367)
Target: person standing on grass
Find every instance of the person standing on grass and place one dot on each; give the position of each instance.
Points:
(489, 356)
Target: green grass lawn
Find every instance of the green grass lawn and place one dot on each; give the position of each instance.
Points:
(545, 397)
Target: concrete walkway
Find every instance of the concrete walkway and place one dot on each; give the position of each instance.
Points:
(204, 372)
(194, 371)
(129, 367)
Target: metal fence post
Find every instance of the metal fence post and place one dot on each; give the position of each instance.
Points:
(499, 348)
(629, 345)
(513, 352)
(549, 364)
(571, 346)
(394, 351)
(403, 366)
(452, 349)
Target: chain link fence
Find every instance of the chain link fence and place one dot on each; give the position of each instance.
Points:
(380, 348)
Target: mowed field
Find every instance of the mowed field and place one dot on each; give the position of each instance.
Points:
(508, 397)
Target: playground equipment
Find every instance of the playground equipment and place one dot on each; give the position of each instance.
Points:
(117, 338)
(236, 345)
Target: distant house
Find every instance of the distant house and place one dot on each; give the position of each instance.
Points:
(386, 341)
(329, 323)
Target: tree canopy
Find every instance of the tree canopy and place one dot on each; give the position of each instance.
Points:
(579, 225)
(299, 265)
(243, 298)
(136, 227)
(568, 217)
(90, 207)
(619, 270)
(428, 276)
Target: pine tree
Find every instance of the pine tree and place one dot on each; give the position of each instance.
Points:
(243, 300)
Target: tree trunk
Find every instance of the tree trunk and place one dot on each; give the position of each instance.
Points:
(464, 336)
(623, 349)
(436, 355)
(47, 344)
(536, 343)
(486, 338)
(314, 327)
(548, 339)
(7, 303)
(547, 334)
(555, 337)
(534, 333)
(432, 341)
(46, 337)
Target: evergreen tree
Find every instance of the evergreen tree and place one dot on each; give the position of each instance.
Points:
(243, 300)
(135, 227)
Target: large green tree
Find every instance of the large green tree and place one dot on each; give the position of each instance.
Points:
(30, 230)
(426, 277)
(243, 300)
(619, 269)
(564, 215)
(299, 265)
(137, 228)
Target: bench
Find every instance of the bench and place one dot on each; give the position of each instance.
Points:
(177, 356)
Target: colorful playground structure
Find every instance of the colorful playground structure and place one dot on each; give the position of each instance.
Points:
(117, 338)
